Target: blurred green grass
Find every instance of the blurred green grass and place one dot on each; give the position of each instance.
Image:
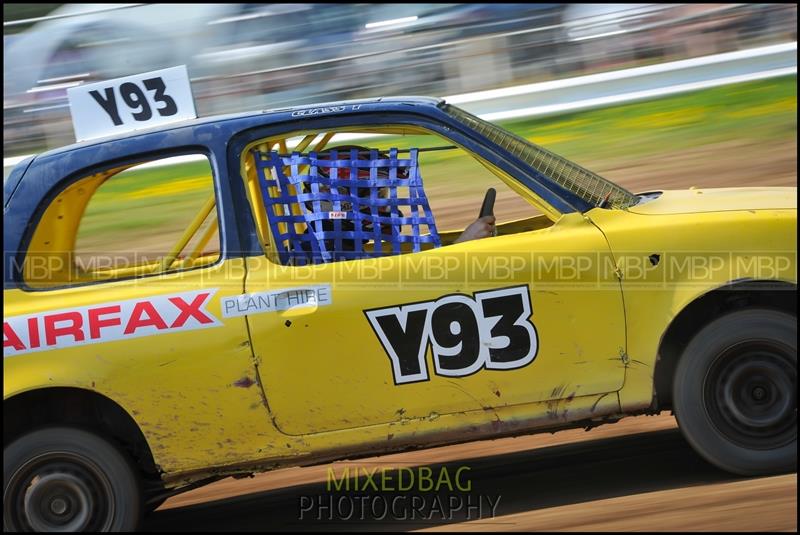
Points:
(755, 111)
(136, 204)
(135, 201)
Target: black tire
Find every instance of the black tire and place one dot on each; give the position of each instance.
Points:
(735, 392)
(68, 479)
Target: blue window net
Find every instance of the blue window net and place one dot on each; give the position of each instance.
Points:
(336, 205)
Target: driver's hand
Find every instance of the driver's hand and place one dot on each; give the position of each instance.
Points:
(480, 228)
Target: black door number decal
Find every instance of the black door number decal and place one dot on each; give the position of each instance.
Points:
(136, 100)
(491, 330)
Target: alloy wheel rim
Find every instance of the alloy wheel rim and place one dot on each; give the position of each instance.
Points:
(59, 491)
(750, 394)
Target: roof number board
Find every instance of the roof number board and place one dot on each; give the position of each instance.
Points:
(131, 103)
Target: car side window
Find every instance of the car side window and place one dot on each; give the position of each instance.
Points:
(345, 204)
(317, 197)
(136, 220)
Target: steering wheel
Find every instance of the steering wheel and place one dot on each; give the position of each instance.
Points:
(487, 208)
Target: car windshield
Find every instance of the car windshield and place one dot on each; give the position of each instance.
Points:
(591, 187)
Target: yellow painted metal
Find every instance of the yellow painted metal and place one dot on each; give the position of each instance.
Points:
(248, 171)
(50, 261)
(580, 351)
(180, 388)
(314, 383)
(324, 141)
(698, 252)
(299, 228)
(304, 143)
(699, 200)
(319, 146)
(188, 234)
(250, 178)
(292, 191)
(203, 241)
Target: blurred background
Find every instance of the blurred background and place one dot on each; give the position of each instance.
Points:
(651, 96)
(254, 56)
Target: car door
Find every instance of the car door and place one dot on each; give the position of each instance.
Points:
(96, 312)
(510, 320)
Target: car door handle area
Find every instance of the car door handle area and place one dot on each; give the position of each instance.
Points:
(297, 307)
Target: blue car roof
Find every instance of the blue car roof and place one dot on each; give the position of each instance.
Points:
(228, 135)
(378, 104)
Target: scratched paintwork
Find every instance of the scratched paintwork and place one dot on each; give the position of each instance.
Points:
(304, 386)
(747, 244)
(350, 359)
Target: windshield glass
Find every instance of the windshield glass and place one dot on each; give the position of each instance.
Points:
(591, 187)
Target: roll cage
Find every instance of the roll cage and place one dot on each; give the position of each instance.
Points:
(35, 182)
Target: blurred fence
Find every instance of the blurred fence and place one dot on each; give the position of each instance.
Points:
(628, 85)
(461, 48)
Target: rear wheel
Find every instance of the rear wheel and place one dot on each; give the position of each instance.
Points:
(735, 392)
(68, 479)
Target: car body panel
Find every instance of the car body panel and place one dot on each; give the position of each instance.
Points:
(334, 347)
(190, 391)
(11, 181)
(698, 200)
(214, 136)
(698, 253)
(304, 385)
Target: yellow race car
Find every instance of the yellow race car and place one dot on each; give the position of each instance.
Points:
(311, 306)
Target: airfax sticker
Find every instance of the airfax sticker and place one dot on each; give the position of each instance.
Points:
(106, 322)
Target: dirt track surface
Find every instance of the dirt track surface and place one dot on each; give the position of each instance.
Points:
(720, 165)
(636, 475)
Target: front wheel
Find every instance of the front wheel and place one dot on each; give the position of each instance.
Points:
(735, 392)
(68, 479)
